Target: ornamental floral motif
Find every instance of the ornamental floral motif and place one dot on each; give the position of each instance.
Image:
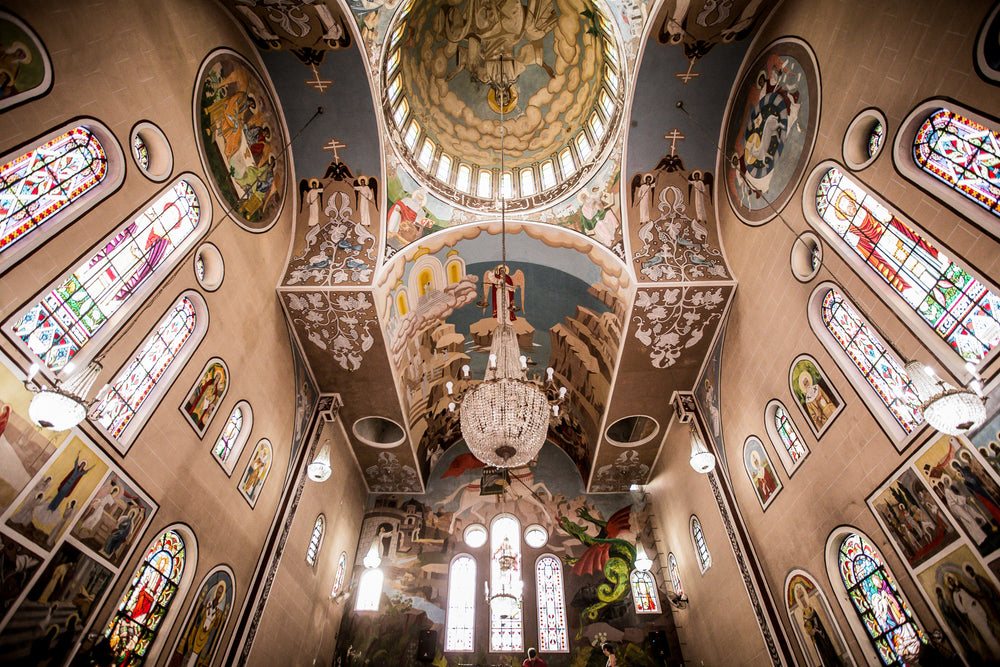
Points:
(388, 474)
(339, 323)
(338, 250)
(669, 320)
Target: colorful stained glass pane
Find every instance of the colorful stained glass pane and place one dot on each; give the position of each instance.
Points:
(961, 153)
(369, 590)
(134, 384)
(960, 309)
(460, 631)
(338, 580)
(789, 436)
(315, 540)
(880, 607)
(38, 184)
(145, 602)
(644, 595)
(675, 575)
(875, 139)
(506, 621)
(140, 152)
(552, 632)
(231, 431)
(881, 369)
(101, 285)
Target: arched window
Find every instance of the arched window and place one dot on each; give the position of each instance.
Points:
(925, 286)
(316, 540)
(700, 547)
(86, 305)
(233, 438)
(506, 622)
(369, 590)
(43, 189)
(552, 633)
(140, 613)
(644, 595)
(873, 369)
(460, 630)
(881, 608)
(138, 387)
(675, 575)
(338, 580)
(784, 436)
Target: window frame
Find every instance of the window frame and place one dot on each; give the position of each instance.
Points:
(369, 574)
(319, 526)
(703, 565)
(825, 603)
(562, 604)
(242, 437)
(633, 576)
(448, 604)
(771, 426)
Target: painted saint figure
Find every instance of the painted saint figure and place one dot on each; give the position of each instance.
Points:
(69, 482)
(817, 402)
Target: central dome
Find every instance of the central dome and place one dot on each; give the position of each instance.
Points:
(552, 67)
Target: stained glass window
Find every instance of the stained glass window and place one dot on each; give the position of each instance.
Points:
(138, 379)
(230, 432)
(876, 138)
(876, 599)
(880, 368)
(675, 574)
(199, 268)
(315, 540)
(140, 151)
(137, 619)
(644, 595)
(789, 436)
(963, 154)
(58, 326)
(506, 622)
(369, 590)
(552, 632)
(960, 309)
(38, 184)
(460, 631)
(338, 580)
(700, 547)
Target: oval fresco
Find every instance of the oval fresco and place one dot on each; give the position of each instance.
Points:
(25, 70)
(240, 137)
(770, 130)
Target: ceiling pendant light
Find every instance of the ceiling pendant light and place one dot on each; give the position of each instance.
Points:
(954, 411)
(65, 405)
(319, 470)
(702, 460)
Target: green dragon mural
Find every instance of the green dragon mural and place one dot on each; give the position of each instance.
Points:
(607, 553)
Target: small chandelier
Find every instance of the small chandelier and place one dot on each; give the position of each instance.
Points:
(319, 470)
(949, 410)
(65, 405)
(702, 460)
(643, 562)
(505, 418)
(510, 589)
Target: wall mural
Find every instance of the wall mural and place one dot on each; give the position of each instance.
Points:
(306, 401)
(256, 472)
(770, 130)
(341, 324)
(200, 404)
(699, 25)
(206, 620)
(672, 319)
(307, 29)
(241, 139)
(760, 471)
(817, 399)
(417, 537)
(708, 394)
(813, 622)
(25, 70)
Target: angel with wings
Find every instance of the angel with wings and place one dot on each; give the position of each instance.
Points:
(497, 279)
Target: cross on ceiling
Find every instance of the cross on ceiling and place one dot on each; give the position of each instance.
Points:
(332, 146)
(673, 137)
(319, 84)
(688, 75)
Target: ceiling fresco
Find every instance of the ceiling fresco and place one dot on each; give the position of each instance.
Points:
(620, 277)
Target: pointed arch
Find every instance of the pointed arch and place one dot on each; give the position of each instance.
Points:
(675, 575)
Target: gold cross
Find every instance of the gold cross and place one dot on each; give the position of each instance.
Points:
(332, 146)
(688, 75)
(319, 84)
(673, 137)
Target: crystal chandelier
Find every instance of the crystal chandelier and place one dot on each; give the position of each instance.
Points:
(505, 418)
(949, 410)
(65, 405)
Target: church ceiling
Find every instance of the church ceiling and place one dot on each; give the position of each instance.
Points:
(621, 281)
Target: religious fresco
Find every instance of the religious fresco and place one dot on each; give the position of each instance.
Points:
(913, 518)
(241, 139)
(699, 25)
(817, 399)
(986, 439)
(988, 47)
(416, 538)
(306, 401)
(771, 129)
(813, 622)
(307, 29)
(256, 472)
(202, 631)
(669, 320)
(708, 394)
(760, 471)
(17, 567)
(200, 404)
(25, 69)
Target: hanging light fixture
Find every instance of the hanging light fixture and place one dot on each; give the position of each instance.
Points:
(65, 405)
(954, 411)
(319, 470)
(643, 562)
(702, 460)
(507, 596)
(505, 417)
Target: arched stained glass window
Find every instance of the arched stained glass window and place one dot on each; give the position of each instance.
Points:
(230, 432)
(460, 631)
(960, 309)
(38, 184)
(338, 580)
(506, 621)
(369, 590)
(644, 595)
(675, 574)
(552, 633)
(73, 310)
(961, 153)
(877, 600)
(788, 434)
(880, 368)
(316, 540)
(144, 604)
(700, 546)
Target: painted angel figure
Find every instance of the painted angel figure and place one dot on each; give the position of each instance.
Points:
(501, 278)
(366, 194)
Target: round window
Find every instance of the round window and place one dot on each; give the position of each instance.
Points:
(864, 138)
(535, 536)
(475, 535)
(151, 151)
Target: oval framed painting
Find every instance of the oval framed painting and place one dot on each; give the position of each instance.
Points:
(25, 69)
(770, 130)
(241, 135)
